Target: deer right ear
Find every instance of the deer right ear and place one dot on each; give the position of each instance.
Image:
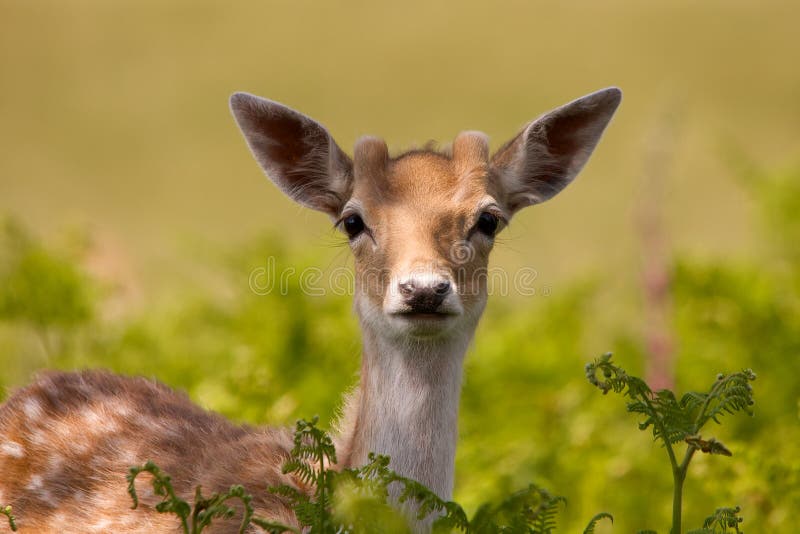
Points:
(297, 153)
(550, 151)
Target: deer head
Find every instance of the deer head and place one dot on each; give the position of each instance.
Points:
(421, 224)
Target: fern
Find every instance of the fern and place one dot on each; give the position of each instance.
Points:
(194, 519)
(357, 500)
(674, 421)
(162, 486)
(361, 500)
(532, 510)
(310, 462)
(722, 521)
(593, 523)
(6, 511)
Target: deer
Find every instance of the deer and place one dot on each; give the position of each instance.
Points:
(420, 225)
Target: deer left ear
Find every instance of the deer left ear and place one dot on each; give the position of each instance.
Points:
(547, 155)
(297, 153)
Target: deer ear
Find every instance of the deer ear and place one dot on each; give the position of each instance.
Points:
(550, 151)
(297, 153)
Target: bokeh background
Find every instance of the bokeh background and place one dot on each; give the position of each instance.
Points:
(134, 216)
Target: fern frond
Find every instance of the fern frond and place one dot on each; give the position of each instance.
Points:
(311, 442)
(661, 410)
(531, 511)
(482, 520)
(197, 517)
(722, 521)
(289, 492)
(306, 513)
(670, 422)
(377, 466)
(674, 421)
(302, 470)
(427, 501)
(162, 486)
(6, 511)
(693, 401)
(543, 518)
(593, 522)
(205, 510)
(214, 507)
(454, 518)
(729, 394)
(614, 378)
(362, 505)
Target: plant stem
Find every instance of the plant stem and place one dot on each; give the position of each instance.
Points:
(678, 477)
(678, 471)
(321, 484)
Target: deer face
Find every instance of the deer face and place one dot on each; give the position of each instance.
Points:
(421, 225)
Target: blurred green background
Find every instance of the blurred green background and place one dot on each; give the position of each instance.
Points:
(135, 215)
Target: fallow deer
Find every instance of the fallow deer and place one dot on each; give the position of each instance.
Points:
(420, 225)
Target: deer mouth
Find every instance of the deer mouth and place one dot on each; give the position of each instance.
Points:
(425, 315)
(423, 324)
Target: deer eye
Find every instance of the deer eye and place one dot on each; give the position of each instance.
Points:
(487, 224)
(353, 225)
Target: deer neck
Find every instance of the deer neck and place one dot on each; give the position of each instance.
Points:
(407, 407)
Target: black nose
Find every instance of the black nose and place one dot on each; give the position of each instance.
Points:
(423, 297)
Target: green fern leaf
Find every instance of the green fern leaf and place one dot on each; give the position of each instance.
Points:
(593, 522)
(729, 394)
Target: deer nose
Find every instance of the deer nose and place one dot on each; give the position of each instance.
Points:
(424, 296)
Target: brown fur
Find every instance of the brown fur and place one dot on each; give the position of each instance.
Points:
(70, 438)
(421, 208)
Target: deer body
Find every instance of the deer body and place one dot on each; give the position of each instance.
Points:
(420, 225)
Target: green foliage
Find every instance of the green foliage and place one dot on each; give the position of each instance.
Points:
(674, 421)
(525, 415)
(312, 456)
(6, 511)
(596, 519)
(360, 500)
(196, 517)
(41, 288)
(367, 496)
(532, 510)
(722, 521)
(778, 200)
(366, 499)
